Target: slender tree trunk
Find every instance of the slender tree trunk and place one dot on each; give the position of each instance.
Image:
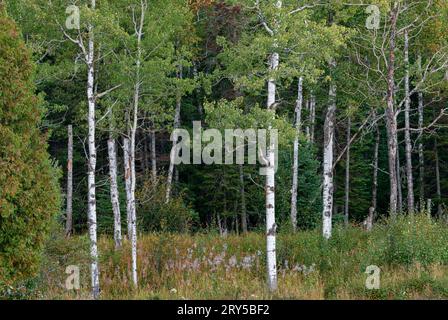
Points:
(372, 209)
(391, 118)
(328, 186)
(153, 155)
(295, 167)
(133, 178)
(91, 213)
(438, 188)
(407, 132)
(421, 159)
(243, 201)
(307, 128)
(69, 210)
(127, 183)
(271, 227)
(173, 149)
(114, 190)
(198, 93)
(312, 116)
(347, 174)
(399, 183)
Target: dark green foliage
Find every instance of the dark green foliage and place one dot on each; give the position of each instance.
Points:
(29, 193)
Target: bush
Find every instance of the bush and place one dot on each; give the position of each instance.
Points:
(29, 194)
(156, 215)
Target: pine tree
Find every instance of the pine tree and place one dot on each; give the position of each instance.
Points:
(29, 195)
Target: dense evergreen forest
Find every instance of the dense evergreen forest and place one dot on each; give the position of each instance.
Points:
(97, 95)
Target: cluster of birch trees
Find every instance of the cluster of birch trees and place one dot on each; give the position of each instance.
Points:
(142, 68)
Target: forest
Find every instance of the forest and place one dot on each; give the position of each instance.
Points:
(223, 149)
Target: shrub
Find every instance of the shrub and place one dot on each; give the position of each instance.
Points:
(154, 214)
(29, 194)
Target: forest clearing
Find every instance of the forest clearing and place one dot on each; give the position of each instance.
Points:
(223, 149)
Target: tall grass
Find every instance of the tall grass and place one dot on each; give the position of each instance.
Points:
(412, 253)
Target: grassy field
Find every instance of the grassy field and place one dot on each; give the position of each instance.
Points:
(411, 252)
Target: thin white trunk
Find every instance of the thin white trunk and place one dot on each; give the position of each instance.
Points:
(399, 183)
(407, 133)
(173, 149)
(391, 118)
(295, 167)
(438, 187)
(421, 158)
(133, 178)
(127, 184)
(312, 116)
(114, 198)
(270, 186)
(372, 209)
(69, 210)
(153, 155)
(91, 212)
(347, 173)
(328, 186)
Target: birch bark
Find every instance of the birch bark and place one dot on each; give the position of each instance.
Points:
(295, 167)
(69, 210)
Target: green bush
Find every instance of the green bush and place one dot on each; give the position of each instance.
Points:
(154, 214)
(29, 195)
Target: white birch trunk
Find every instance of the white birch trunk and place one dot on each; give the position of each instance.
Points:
(421, 159)
(153, 155)
(347, 174)
(312, 116)
(438, 187)
(407, 133)
(391, 118)
(173, 152)
(91, 213)
(295, 167)
(127, 183)
(133, 178)
(328, 186)
(69, 210)
(372, 209)
(270, 187)
(114, 198)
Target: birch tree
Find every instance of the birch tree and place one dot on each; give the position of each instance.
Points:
(69, 210)
(295, 167)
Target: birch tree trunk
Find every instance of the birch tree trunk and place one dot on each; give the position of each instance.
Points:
(421, 159)
(391, 118)
(438, 188)
(271, 227)
(127, 184)
(173, 149)
(69, 210)
(347, 173)
(328, 186)
(91, 211)
(312, 116)
(114, 198)
(407, 133)
(399, 183)
(153, 155)
(295, 167)
(372, 209)
(133, 178)
(243, 201)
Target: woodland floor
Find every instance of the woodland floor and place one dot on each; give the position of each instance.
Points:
(412, 254)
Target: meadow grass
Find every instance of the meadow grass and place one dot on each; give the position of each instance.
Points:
(412, 253)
